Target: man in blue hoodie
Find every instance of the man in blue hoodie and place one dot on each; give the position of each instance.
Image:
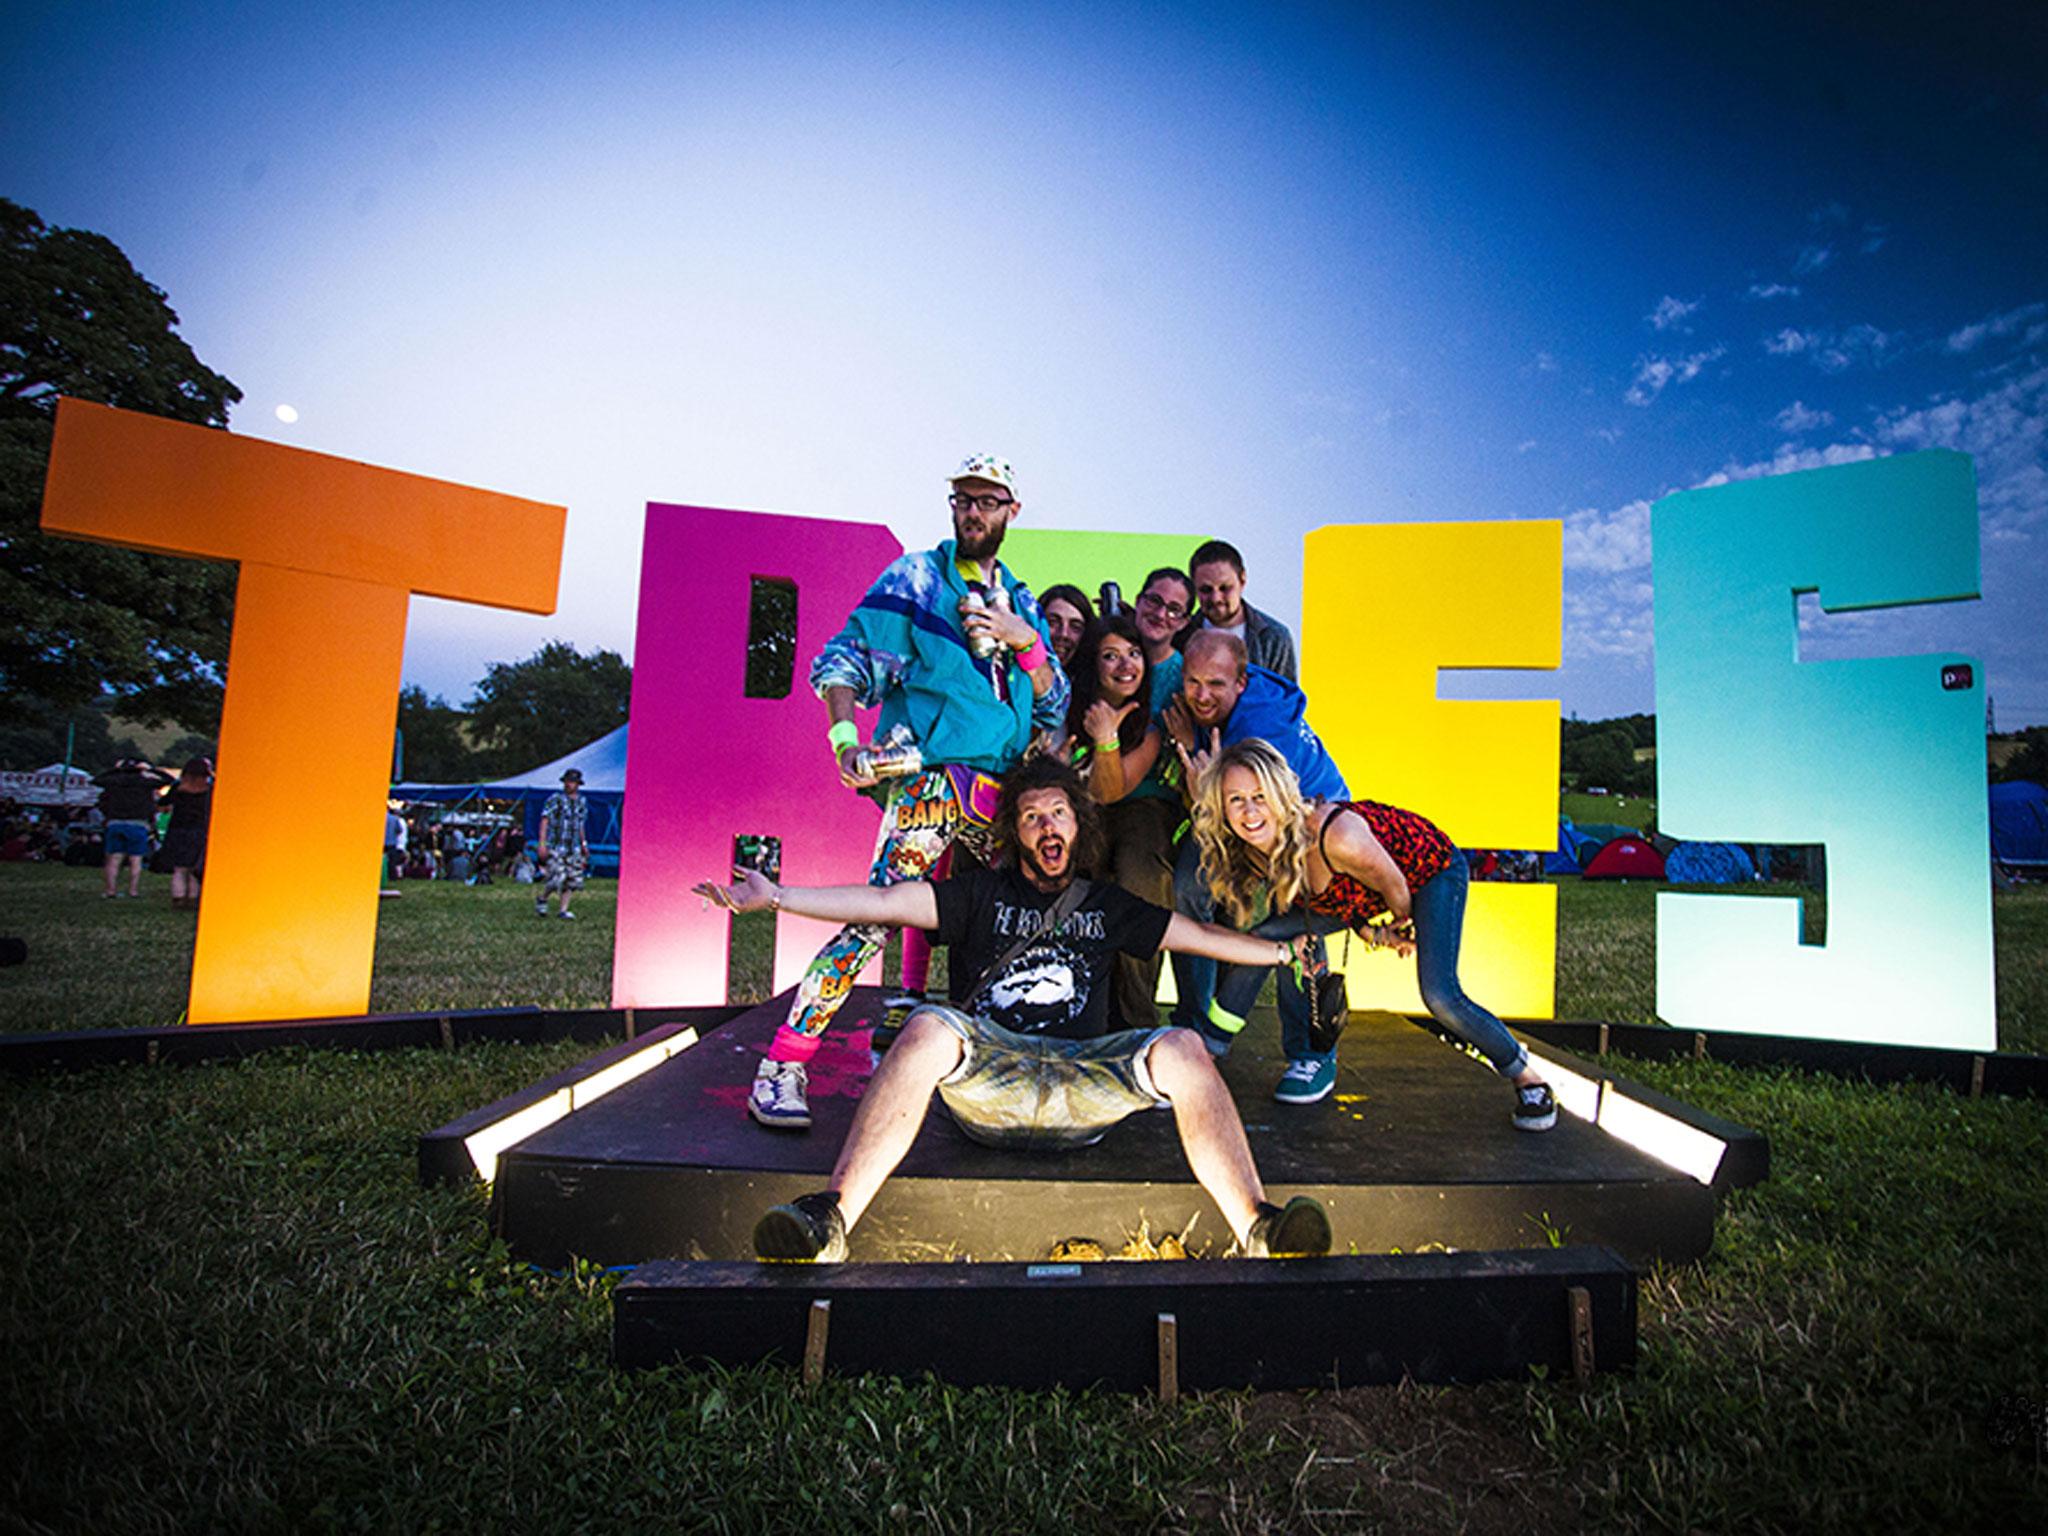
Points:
(1224, 698)
(953, 649)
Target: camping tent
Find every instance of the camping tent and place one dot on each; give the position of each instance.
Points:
(1607, 832)
(2019, 824)
(1708, 864)
(1626, 858)
(50, 785)
(1567, 858)
(603, 765)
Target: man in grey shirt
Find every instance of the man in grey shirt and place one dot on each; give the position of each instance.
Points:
(1218, 570)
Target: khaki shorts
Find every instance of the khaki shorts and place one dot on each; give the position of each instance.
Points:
(1041, 1092)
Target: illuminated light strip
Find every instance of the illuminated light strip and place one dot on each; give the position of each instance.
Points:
(1668, 1139)
(1577, 1094)
(484, 1146)
(623, 1071)
(1652, 1132)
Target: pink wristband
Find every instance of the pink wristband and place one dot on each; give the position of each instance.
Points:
(1034, 658)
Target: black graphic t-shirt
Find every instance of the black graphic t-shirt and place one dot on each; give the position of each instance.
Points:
(1059, 986)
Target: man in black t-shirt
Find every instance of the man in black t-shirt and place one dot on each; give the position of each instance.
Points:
(1022, 1059)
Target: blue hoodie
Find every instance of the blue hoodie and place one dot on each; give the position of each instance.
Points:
(903, 649)
(1274, 710)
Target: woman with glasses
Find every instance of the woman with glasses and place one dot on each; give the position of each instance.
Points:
(1162, 610)
(1279, 864)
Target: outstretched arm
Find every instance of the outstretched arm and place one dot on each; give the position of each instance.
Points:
(909, 905)
(1186, 936)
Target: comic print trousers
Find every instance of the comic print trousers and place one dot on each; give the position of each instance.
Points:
(923, 816)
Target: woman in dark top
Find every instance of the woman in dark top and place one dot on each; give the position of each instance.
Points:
(1111, 734)
(1114, 739)
(1068, 613)
(1389, 875)
(191, 803)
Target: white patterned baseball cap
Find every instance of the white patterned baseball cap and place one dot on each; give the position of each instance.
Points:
(986, 466)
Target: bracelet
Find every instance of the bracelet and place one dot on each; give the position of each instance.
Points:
(775, 901)
(1280, 955)
(1111, 745)
(1032, 657)
(844, 734)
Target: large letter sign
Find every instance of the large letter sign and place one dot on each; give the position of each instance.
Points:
(1044, 557)
(1384, 607)
(705, 763)
(330, 550)
(1881, 760)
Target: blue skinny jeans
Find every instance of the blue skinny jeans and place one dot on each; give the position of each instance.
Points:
(1439, 913)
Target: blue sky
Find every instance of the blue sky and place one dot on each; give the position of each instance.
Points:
(1233, 270)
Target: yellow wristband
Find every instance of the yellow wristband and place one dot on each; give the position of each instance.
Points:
(844, 734)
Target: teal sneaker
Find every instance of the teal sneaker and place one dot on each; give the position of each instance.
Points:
(1307, 1081)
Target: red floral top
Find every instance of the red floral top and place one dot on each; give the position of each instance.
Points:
(1418, 847)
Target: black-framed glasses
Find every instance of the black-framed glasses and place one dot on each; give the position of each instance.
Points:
(1153, 600)
(986, 503)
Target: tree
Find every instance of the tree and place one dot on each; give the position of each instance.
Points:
(525, 713)
(189, 746)
(2030, 761)
(436, 751)
(79, 619)
(36, 732)
(1603, 752)
(1607, 759)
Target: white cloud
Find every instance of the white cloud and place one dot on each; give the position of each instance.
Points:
(1525, 445)
(1788, 460)
(1608, 542)
(1859, 343)
(1970, 337)
(1545, 363)
(1774, 290)
(1608, 618)
(1671, 312)
(1834, 351)
(1655, 374)
(2006, 432)
(1607, 597)
(1812, 258)
(1830, 212)
(1798, 417)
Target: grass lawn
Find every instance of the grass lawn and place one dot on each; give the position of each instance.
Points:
(1637, 811)
(97, 964)
(225, 1304)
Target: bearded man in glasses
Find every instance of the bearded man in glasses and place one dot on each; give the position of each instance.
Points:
(954, 651)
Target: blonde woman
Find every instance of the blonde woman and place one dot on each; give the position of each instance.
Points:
(1277, 862)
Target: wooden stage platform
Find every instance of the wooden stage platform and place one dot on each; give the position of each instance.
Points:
(1414, 1152)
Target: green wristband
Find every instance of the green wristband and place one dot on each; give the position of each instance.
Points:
(844, 734)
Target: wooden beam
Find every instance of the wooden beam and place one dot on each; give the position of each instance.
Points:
(1169, 1358)
(1427, 1317)
(816, 1328)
